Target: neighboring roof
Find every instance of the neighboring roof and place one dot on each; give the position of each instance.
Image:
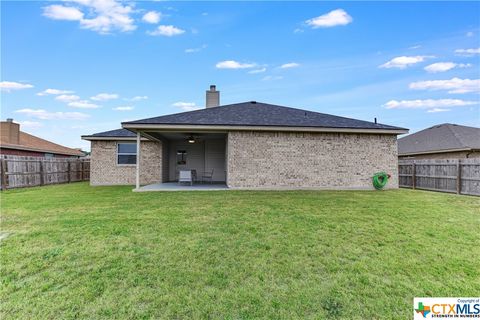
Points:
(32, 143)
(260, 114)
(440, 138)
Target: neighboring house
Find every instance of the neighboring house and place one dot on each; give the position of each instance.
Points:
(19, 143)
(444, 141)
(247, 145)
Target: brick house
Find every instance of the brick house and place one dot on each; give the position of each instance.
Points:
(249, 145)
(15, 142)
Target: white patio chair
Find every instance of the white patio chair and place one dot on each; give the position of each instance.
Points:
(185, 176)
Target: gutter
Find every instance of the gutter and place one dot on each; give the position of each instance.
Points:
(99, 138)
(22, 148)
(224, 128)
(436, 151)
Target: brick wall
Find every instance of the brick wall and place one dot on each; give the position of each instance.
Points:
(105, 171)
(309, 160)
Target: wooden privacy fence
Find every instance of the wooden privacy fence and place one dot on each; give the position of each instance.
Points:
(20, 171)
(455, 176)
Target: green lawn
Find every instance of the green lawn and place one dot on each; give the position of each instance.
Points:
(74, 251)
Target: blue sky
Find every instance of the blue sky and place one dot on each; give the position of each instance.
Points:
(83, 66)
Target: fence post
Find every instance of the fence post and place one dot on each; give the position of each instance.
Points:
(68, 171)
(3, 170)
(459, 177)
(82, 168)
(414, 173)
(42, 177)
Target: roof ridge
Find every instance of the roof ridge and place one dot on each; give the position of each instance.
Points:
(456, 135)
(260, 104)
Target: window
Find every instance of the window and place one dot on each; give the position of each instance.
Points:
(126, 153)
(48, 155)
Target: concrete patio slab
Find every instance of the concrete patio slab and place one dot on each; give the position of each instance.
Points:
(175, 186)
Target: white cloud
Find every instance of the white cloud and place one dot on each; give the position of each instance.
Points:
(427, 103)
(289, 65)
(102, 16)
(232, 64)
(454, 85)
(470, 34)
(46, 115)
(261, 70)
(152, 17)
(8, 86)
(193, 50)
(58, 12)
(30, 124)
(123, 108)
(268, 78)
(298, 30)
(53, 92)
(445, 66)
(138, 98)
(334, 18)
(467, 52)
(435, 110)
(105, 96)
(167, 31)
(67, 97)
(83, 104)
(186, 106)
(403, 61)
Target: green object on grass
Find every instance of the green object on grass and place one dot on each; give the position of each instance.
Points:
(380, 179)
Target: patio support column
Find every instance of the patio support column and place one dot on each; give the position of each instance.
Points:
(137, 181)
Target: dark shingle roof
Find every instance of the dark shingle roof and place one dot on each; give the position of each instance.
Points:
(261, 114)
(442, 137)
(114, 133)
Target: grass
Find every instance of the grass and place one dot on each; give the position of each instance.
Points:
(74, 251)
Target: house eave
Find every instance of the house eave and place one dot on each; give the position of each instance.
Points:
(100, 138)
(406, 154)
(25, 148)
(226, 128)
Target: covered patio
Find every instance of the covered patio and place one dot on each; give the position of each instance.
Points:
(201, 154)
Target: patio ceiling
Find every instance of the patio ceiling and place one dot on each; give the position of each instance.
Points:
(185, 135)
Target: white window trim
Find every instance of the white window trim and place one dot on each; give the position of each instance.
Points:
(123, 153)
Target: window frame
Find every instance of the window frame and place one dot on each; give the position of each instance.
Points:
(125, 154)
